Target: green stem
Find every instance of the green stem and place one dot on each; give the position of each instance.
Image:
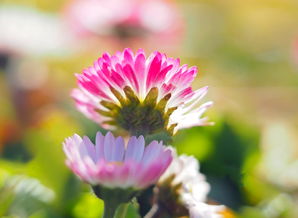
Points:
(109, 210)
(122, 211)
(113, 198)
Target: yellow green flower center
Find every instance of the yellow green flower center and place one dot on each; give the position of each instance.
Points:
(139, 117)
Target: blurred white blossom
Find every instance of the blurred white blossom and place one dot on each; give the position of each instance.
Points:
(30, 32)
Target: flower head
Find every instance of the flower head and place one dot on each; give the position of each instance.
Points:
(186, 190)
(184, 172)
(112, 164)
(123, 19)
(141, 95)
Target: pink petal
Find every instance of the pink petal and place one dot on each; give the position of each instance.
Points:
(89, 146)
(154, 69)
(118, 152)
(151, 152)
(130, 75)
(135, 149)
(128, 56)
(99, 146)
(109, 146)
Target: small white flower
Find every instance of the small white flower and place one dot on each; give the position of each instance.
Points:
(184, 170)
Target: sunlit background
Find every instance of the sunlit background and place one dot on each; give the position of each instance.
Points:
(246, 51)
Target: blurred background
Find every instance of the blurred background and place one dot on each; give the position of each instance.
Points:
(246, 51)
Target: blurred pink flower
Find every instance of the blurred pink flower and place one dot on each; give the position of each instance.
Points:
(124, 19)
(113, 164)
(132, 91)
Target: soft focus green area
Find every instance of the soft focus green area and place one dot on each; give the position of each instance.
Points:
(245, 54)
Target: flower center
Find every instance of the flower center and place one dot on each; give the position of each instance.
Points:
(126, 31)
(139, 117)
(168, 197)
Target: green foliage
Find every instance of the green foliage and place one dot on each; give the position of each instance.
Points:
(88, 206)
(22, 196)
(46, 145)
(223, 152)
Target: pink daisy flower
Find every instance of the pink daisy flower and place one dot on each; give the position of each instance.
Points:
(141, 95)
(124, 18)
(112, 164)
